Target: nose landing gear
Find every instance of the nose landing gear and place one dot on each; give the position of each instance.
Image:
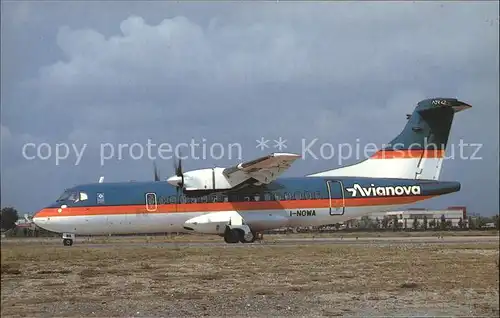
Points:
(68, 239)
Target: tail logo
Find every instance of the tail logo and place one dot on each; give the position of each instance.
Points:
(374, 191)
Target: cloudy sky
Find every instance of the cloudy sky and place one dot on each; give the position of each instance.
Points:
(89, 73)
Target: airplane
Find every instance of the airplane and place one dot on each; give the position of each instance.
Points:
(238, 203)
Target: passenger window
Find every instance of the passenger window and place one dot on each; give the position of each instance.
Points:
(298, 195)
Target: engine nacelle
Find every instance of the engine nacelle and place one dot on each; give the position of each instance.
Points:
(215, 222)
(211, 223)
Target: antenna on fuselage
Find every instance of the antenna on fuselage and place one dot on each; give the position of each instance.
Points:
(101, 179)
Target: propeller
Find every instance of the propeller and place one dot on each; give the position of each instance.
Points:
(178, 179)
(156, 174)
(179, 174)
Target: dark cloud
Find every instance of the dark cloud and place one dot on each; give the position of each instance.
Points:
(91, 73)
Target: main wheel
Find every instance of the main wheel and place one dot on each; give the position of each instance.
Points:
(231, 236)
(249, 238)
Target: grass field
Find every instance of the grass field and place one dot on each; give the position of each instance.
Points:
(250, 280)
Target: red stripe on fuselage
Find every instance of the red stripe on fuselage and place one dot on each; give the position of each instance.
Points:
(408, 153)
(228, 206)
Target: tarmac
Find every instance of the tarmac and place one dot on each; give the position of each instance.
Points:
(270, 241)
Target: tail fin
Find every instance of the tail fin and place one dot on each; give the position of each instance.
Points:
(417, 152)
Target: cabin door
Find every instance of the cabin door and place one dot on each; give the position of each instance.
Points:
(336, 196)
(151, 203)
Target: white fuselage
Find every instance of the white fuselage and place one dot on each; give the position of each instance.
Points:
(201, 222)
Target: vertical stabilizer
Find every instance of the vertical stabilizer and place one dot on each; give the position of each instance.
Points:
(417, 152)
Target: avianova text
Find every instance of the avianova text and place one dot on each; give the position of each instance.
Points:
(373, 191)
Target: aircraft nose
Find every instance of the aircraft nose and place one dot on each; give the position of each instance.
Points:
(36, 217)
(39, 218)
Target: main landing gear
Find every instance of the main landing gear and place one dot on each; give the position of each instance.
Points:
(238, 231)
(238, 234)
(68, 239)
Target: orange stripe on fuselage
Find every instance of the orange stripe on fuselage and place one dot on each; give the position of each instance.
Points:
(408, 153)
(228, 206)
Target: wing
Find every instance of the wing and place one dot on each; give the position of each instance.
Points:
(264, 169)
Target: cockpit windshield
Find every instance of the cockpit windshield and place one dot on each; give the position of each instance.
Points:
(67, 196)
(72, 196)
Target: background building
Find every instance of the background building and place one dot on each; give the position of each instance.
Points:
(456, 216)
(26, 222)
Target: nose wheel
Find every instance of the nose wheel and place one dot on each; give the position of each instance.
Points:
(67, 242)
(68, 239)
